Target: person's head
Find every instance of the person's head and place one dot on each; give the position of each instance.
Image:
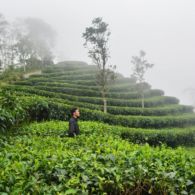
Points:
(75, 112)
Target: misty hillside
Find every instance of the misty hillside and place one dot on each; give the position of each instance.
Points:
(74, 84)
(121, 152)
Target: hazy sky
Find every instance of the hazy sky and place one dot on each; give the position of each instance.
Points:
(164, 29)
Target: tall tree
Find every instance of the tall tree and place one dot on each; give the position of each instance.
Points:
(26, 41)
(36, 40)
(96, 41)
(43, 37)
(140, 66)
(12, 47)
(25, 50)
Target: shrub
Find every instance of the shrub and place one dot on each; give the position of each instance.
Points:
(172, 138)
(93, 164)
(92, 93)
(128, 121)
(150, 102)
(7, 120)
(11, 111)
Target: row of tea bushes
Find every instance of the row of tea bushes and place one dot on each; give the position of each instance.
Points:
(174, 109)
(150, 102)
(94, 164)
(92, 93)
(53, 110)
(126, 87)
(172, 137)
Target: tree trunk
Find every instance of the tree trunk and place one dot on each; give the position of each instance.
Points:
(105, 105)
(143, 100)
(104, 101)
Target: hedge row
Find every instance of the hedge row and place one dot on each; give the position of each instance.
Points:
(172, 137)
(69, 72)
(157, 111)
(152, 102)
(114, 100)
(142, 121)
(85, 81)
(41, 109)
(57, 111)
(78, 72)
(69, 77)
(93, 164)
(127, 87)
(119, 81)
(91, 93)
(59, 68)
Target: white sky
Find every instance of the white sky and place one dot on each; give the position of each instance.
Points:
(164, 29)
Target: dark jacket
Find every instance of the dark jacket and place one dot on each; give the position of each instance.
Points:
(73, 127)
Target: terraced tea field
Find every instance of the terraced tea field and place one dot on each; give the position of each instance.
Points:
(128, 150)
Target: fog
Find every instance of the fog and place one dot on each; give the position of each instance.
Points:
(164, 29)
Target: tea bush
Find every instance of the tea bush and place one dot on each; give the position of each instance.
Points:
(95, 163)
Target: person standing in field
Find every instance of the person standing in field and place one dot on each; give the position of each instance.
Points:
(73, 123)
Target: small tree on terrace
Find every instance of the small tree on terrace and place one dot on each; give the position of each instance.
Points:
(140, 66)
(96, 40)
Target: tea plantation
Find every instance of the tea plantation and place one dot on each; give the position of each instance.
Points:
(127, 151)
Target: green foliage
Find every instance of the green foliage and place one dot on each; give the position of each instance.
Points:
(42, 162)
(73, 77)
(6, 120)
(191, 151)
(45, 109)
(96, 41)
(170, 137)
(83, 71)
(128, 121)
(150, 102)
(37, 159)
(40, 109)
(156, 111)
(11, 74)
(116, 110)
(11, 111)
(91, 93)
(129, 87)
